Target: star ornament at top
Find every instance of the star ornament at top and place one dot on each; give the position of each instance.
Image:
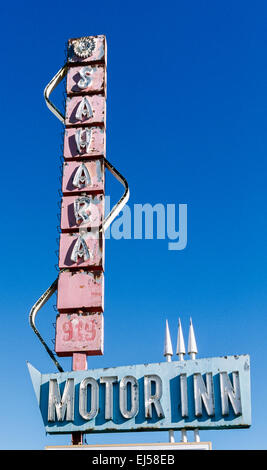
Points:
(84, 47)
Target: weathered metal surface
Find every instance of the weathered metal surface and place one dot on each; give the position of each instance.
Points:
(79, 333)
(79, 362)
(80, 143)
(147, 397)
(73, 254)
(80, 290)
(81, 248)
(87, 50)
(86, 79)
(88, 175)
(86, 210)
(85, 110)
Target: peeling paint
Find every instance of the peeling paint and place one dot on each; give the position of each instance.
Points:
(231, 398)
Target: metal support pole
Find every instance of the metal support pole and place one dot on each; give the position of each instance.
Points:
(168, 352)
(79, 362)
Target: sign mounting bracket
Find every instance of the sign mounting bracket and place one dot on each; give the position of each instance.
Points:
(34, 310)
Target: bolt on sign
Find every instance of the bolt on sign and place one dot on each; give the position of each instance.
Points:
(80, 298)
(212, 393)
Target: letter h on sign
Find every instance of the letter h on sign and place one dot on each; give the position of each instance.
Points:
(80, 301)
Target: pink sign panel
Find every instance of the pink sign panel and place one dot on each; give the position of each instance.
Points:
(87, 49)
(85, 211)
(84, 250)
(87, 175)
(84, 142)
(85, 110)
(80, 291)
(86, 79)
(79, 333)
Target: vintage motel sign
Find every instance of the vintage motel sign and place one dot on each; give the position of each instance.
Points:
(80, 284)
(80, 297)
(212, 393)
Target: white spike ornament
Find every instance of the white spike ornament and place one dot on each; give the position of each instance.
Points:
(168, 351)
(192, 345)
(180, 350)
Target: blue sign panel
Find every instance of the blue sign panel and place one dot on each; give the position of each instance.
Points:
(207, 393)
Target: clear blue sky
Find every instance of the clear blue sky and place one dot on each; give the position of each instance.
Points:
(186, 123)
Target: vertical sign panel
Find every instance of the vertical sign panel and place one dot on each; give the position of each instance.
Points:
(80, 299)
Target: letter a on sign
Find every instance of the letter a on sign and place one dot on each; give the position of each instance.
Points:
(82, 177)
(84, 110)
